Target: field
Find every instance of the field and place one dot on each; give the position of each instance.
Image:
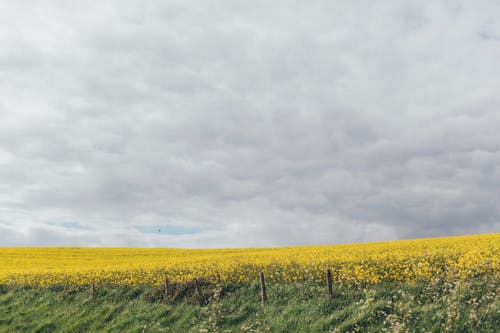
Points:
(354, 264)
(426, 285)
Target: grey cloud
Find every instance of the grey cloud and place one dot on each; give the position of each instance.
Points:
(271, 124)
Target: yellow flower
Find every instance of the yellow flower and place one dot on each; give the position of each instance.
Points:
(353, 264)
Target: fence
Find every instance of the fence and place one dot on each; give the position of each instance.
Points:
(262, 283)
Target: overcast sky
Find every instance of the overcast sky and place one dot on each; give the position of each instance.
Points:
(247, 123)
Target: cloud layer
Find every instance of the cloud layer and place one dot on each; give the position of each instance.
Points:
(230, 123)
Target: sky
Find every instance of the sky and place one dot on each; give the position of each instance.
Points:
(247, 123)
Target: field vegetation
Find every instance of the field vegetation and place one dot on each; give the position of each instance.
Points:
(354, 264)
(428, 285)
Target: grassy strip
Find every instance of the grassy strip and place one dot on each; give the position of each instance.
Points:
(437, 306)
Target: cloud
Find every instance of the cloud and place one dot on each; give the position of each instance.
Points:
(278, 123)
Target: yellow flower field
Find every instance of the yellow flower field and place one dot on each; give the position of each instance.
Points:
(353, 264)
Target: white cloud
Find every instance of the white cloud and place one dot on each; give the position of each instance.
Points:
(266, 124)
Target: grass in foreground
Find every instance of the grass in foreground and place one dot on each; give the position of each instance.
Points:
(433, 306)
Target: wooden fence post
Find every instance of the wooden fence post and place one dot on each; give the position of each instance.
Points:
(166, 283)
(198, 290)
(329, 282)
(63, 296)
(263, 294)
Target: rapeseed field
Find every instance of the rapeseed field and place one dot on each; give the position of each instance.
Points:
(404, 261)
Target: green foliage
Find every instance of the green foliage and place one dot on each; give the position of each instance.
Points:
(438, 306)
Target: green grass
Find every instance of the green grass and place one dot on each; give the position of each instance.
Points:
(438, 306)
